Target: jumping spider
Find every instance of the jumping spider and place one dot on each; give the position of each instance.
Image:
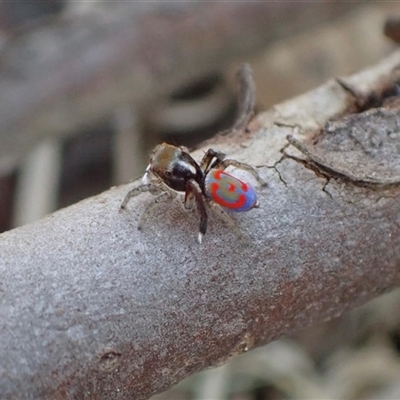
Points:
(172, 170)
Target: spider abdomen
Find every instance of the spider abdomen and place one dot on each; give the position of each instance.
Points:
(230, 192)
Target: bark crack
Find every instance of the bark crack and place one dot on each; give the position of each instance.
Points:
(274, 166)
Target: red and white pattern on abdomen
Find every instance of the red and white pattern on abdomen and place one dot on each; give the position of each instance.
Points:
(230, 192)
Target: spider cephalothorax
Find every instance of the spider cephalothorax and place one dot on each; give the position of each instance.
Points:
(172, 170)
(174, 166)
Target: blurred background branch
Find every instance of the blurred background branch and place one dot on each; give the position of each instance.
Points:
(80, 69)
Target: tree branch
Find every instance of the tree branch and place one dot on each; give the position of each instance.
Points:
(92, 308)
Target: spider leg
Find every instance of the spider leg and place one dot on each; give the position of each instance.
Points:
(154, 188)
(193, 189)
(223, 164)
(135, 192)
(210, 158)
(222, 214)
(146, 213)
(189, 201)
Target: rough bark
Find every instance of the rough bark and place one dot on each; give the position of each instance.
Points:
(91, 308)
(61, 77)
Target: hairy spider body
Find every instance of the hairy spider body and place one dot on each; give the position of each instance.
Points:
(172, 170)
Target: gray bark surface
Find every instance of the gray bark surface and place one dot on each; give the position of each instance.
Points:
(92, 308)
